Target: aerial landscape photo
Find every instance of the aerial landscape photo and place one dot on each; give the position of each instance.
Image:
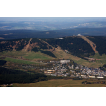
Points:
(52, 51)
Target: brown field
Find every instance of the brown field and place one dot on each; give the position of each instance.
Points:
(59, 83)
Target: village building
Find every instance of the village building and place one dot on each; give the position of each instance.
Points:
(49, 71)
(64, 61)
(91, 76)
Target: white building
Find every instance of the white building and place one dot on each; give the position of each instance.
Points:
(91, 76)
(77, 67)
(64, 61)
(100, 77)
(60, 38)
(83, 76)
(49, 71)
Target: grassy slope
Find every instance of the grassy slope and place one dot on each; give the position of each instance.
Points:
(59, 53)
(18, 61)
(101, 60)
(25, 57)
(37, 55)
(59, 83)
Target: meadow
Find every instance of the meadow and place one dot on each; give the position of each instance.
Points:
(32, 57)
(37, 55)
(18, 61)
(58, 83)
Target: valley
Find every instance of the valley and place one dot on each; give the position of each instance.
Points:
(80, 59)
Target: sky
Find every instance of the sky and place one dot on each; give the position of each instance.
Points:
(54, 19)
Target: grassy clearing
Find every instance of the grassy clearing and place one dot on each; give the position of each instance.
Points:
(89, 64)
(59, 53)
(27, 55)
(18, 61)
(59, 83)
(97, 56)
(37, 55)
(13, 53)
(62, 54)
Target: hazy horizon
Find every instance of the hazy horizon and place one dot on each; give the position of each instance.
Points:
(70, 19)
(50, 23)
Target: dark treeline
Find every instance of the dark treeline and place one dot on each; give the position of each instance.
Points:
(8, 76)
(2, 62)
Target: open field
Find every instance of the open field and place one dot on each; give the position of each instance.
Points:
(19, 61)
(59, 53)
(37, 55)
(13, 53)
(88, 64)
(27, 55)
(97, 56)
(59, 83)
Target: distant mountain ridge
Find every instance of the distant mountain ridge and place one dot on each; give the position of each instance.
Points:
(17, 34)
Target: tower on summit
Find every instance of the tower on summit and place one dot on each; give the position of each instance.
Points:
(79, 35)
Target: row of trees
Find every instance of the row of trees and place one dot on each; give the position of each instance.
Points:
(8, 76)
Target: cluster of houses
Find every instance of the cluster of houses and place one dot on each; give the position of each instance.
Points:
(65, 68)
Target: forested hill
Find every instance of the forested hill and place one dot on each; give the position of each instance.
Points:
(75, 45)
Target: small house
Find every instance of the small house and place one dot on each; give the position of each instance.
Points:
(91, 76)
(100, 77)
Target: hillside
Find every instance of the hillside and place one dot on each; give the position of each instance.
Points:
(76, 48)
(93, 45)
(75, 45)
(100, 42)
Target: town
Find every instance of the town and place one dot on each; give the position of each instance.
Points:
(68, 68)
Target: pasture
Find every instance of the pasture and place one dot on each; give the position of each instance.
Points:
(58, 83)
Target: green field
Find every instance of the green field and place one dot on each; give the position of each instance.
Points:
(37, 55)
(18, 61)
(97, 56)
(88, 64)
(27, 55)
(101, 60)
(58, 83)
(33, 56)
(13, 53)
